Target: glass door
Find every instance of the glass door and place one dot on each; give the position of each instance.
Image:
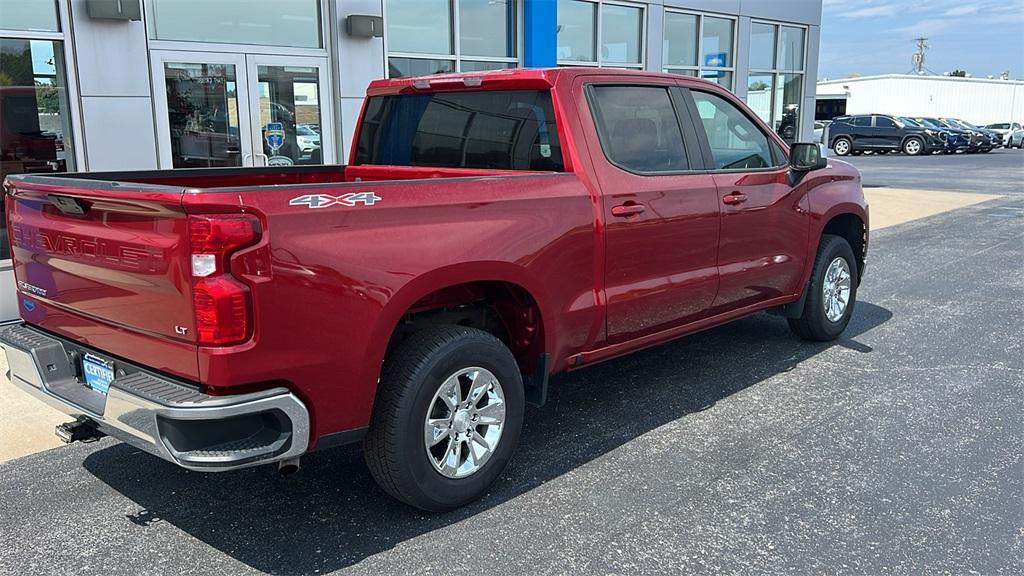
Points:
(291, 115)
(202, 114)
(222, 110)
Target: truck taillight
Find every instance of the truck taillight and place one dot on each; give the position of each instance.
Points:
(221, 303)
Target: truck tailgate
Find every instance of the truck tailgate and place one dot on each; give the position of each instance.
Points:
(104, 254)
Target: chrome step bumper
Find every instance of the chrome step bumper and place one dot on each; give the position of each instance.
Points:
(168, 419)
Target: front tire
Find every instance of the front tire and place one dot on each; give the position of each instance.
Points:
(447, 417)
(831, 292)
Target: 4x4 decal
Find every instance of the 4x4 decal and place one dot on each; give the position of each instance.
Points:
(326, 200)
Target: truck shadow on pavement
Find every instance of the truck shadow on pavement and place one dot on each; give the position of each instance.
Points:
(331, 515)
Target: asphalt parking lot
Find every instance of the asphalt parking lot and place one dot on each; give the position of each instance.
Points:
(740, 450)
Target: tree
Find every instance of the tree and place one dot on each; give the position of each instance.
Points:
(958, 73)
(759, 85)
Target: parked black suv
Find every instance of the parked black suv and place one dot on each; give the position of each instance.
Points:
(881, 133)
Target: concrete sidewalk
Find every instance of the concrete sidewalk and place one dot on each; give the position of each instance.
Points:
(26, 425)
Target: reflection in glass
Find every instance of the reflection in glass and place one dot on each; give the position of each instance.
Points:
(721, 77)
(35, 130)
(788, 89)
(401, 67)
(474, 66)
(420, 26)
(680, 46)
(759, 95)
(621, 33)
(762, 46)
(717, 43)
(487, 28)
(290, 102)
(791, 48)
(577, 23)
(202, 111)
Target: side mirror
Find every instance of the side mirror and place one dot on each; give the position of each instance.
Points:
(804, 157)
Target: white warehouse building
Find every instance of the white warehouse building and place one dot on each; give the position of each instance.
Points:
(980, 101)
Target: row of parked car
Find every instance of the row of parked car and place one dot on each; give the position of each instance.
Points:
(881, 134)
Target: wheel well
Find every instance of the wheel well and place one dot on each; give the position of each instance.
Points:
(503, 309)
(851, 228)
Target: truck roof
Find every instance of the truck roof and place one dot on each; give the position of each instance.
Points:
(512, 78)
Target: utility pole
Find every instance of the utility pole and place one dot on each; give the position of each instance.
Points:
(918, 57)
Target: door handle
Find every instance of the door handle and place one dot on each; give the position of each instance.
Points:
(627, 210)
(734, 198)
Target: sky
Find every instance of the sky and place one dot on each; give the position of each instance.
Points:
(869, 37)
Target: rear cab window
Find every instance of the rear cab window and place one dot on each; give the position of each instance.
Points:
(638, 128)
(493, 129)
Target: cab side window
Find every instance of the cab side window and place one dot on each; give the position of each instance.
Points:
(736, 142)
(638, 128)
(883, 122)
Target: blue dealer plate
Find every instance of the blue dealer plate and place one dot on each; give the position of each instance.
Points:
(99, 373)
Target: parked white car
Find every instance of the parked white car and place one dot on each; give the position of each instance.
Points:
(1013, 133)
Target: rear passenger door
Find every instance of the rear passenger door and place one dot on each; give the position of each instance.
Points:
(660, 210)
(765, 221)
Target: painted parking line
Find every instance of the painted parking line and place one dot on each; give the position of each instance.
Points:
(26, 424)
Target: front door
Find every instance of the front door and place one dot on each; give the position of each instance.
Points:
(661, 218)
(222, 110)
(765, 220)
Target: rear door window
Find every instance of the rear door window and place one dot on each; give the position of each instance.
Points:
(638, 128)
(862, 121)
(495, 129)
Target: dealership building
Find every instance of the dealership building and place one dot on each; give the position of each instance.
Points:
(92, 85)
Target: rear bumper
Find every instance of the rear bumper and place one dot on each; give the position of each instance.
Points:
(166, 418)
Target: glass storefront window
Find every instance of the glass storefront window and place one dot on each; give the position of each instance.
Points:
(419, 26)
(401, 67)
(621, 33)
(776, 84)
(202, 109)
(421, 36)
(577, 26)
(295, 23)
(680, 43)
(487, 28)
(290, 96)
(762, 46)
(35, 129)
(699, 45)
(791, 48)
(29, 15)
(716, 43)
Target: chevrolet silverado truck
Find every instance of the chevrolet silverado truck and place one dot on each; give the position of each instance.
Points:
(490, 230)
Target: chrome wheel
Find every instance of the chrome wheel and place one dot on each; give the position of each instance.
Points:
(464, 422)
(836, 289)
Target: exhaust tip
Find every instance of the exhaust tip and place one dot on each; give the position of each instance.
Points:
(288, 467)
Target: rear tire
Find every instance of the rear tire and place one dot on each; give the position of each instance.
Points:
(842, 146)
(417, 384)
(822, 319)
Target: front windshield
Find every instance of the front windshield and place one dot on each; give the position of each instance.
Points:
(998, 126)
(910, 122)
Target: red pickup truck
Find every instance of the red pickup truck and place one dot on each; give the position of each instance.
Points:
(490, 230)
